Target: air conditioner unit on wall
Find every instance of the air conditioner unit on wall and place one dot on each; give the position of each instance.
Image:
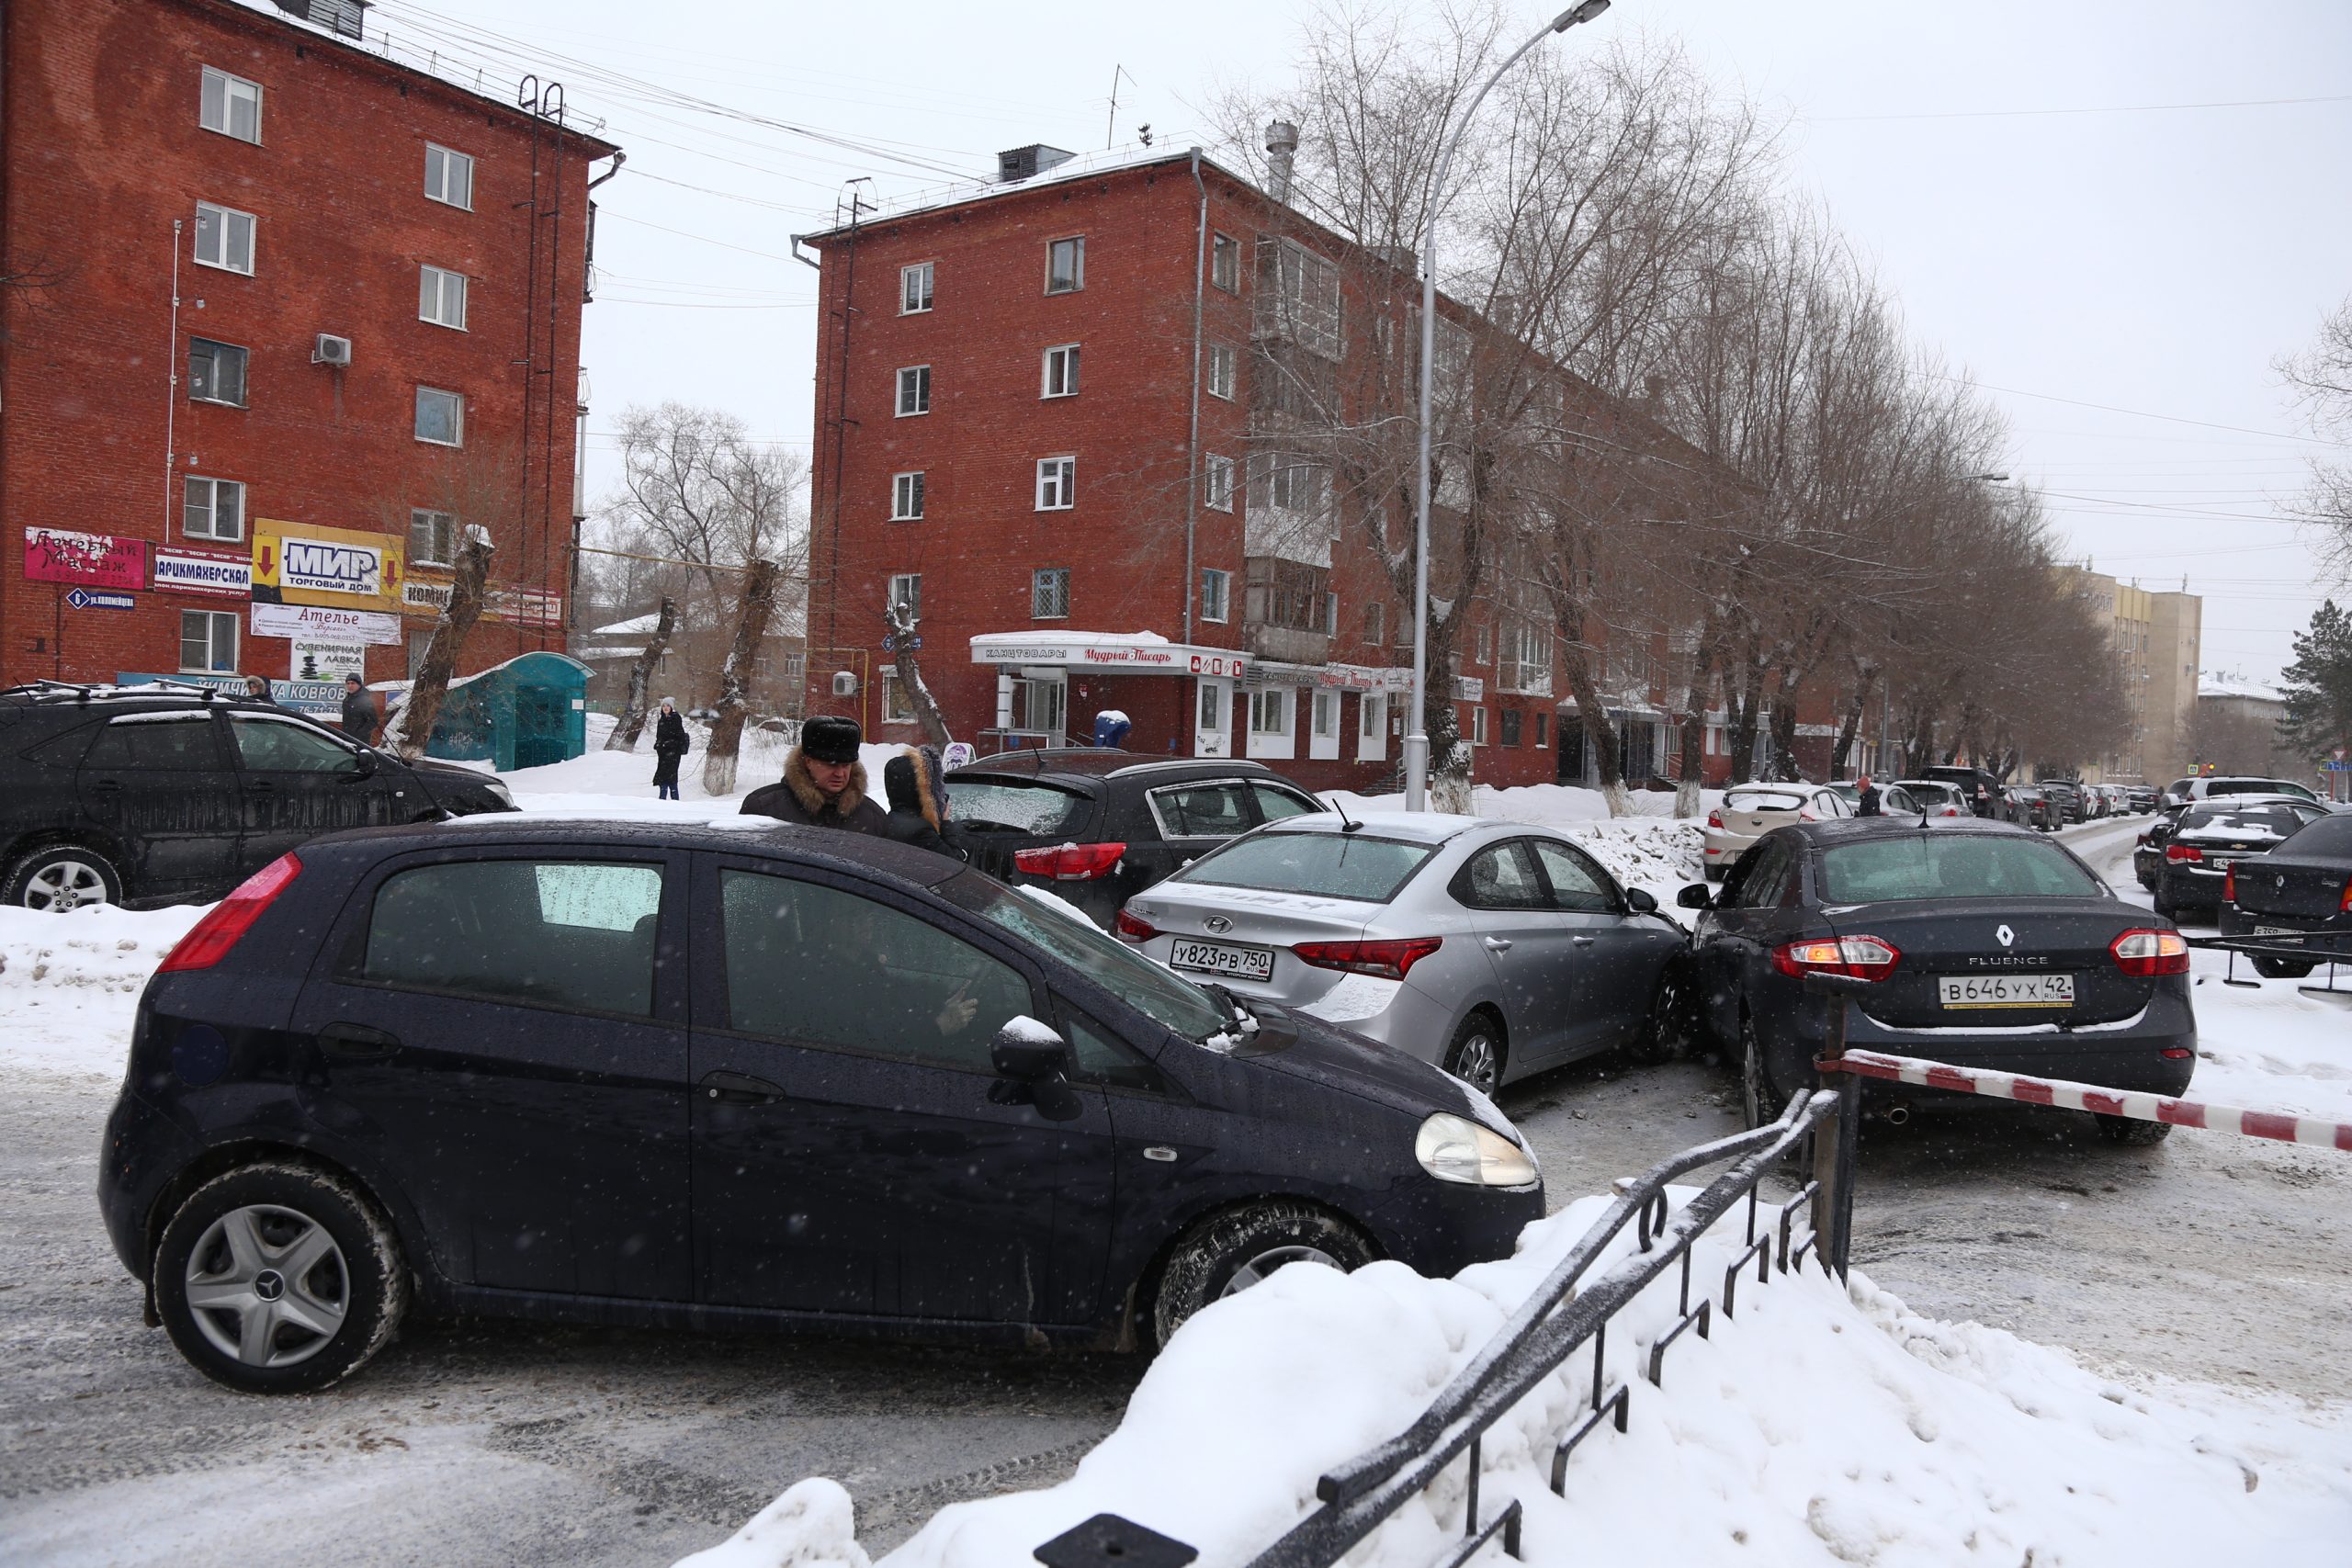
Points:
(844, 684)
(331, 350)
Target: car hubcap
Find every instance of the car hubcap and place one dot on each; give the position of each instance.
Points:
(1255, 1270)
(267, 1286)
(1473, 1064)
(65, 885)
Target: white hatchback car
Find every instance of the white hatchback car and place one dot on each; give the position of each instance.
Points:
(1750, 811)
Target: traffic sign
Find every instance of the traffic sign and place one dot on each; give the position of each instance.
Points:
(84, 598)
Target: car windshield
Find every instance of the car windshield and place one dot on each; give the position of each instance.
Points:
(1762, 800)
(1950, 865)
(1329, 866)
(1015, 806)
(1125, 973)
(2279, 820)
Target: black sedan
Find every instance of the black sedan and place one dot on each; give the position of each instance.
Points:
(2211, 836)
(693, 1077)
(1982, 945)
(2297, 895)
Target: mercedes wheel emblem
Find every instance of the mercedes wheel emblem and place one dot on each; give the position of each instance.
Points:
(2006, 936)
(1219, 924)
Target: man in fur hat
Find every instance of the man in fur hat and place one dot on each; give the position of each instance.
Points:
(824, 783)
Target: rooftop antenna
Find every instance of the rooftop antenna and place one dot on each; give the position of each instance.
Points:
(1346, 824)
(1111, 124)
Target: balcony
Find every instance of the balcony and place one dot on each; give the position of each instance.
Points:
(1286, 645)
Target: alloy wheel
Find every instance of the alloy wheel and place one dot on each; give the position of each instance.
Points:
(1255, 1269)
(268, 1285)
(1753, 1095)
(65, 885)
(1473, 1062)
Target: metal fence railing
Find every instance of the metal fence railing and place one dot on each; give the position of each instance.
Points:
(1552, 1324)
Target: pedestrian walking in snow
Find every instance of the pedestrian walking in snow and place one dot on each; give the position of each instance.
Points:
(912, 783)
(1866, 798)
(669, 749)
(824, 784)
(358, 710)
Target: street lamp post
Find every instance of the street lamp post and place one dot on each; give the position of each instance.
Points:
(1417, 743)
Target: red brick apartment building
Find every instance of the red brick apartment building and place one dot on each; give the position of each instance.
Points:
(282, 316)
(1007, 428)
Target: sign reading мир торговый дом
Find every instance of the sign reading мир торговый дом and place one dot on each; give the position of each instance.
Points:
(337, 567)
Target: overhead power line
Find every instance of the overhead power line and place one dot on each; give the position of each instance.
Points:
(2104, 109)
(2136, 413)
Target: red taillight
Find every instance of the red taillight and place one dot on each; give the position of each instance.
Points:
(2229, 882)
(1806, 816)
(1391, 959)
(1130, 929)
(1861, 957)
(1070, 863)
(1714, 819)
(2345, 903)
(2145, 953)
(209, 940)
(1951, 810)
(2183, 851)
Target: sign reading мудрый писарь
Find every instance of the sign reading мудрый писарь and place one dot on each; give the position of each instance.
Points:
(295, 564)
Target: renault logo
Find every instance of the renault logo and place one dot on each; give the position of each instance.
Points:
(2279, 882)
(2006, 936)
(1219, 924)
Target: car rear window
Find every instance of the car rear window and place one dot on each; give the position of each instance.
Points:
(2255, 786)
(2329, 836)
(1328, 865)
(1015, 806)
(2280, 819)
(1950, 865)
(1763, 800)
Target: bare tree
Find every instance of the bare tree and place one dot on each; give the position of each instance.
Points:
(411, 728)
(901, 620)
(752, 615)
(641, 673)
(2321, 378)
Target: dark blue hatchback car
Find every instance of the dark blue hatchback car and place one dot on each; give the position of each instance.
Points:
(635, 1073)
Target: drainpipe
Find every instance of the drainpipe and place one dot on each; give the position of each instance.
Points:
(1192, 445)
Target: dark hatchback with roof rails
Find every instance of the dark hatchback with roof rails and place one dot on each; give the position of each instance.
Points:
(162, 794)
(1980, 945)
(689, 1077)
(1098, 825)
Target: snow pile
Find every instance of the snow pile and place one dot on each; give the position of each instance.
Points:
(70, 983)
(603, 785)
(2272, 1046)
(1815, 1429)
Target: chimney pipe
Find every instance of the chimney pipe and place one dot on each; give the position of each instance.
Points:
(1281, 149)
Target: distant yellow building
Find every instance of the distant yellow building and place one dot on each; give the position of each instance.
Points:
(2156, 637)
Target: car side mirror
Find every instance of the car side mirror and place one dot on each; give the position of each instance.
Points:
(1027, 1051)
(1694, 896)
(1638, 899)
(362, 764)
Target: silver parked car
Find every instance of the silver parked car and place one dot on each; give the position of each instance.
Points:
(1493, 949)
(1751, 811)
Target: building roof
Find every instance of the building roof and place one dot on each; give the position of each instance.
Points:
(2211, 684)
(939, 198)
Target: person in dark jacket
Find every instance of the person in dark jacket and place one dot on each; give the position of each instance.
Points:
(358, 710)
(257, 690)
(824, 784)
(1867, 797)
(918, 816)
(669, 749)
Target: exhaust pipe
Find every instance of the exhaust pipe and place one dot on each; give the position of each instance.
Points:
(1898, 1113)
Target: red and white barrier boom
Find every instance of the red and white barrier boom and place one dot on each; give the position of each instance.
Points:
(2099, 1102)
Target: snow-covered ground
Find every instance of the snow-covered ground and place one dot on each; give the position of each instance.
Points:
(1818, 1425)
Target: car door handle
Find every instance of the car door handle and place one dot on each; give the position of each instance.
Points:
(261, 787)
(739, 1089)
(357, 1043)
(1496, 944)
(1581, 941)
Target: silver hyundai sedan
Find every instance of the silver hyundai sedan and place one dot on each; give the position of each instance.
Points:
(1493, 949)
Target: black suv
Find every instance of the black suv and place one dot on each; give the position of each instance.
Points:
(159, 794)
(1098, 826)
(682, 1076)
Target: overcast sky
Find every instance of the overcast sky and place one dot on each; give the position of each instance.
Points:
(2152, 260)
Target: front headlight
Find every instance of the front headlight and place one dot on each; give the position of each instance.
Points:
(1454, 1148)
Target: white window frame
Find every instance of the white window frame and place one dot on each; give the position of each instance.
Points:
(1057, 483)
(230, 93)
(1216, 594)
(1060, 372)
(915, 380)
(459, 398)
(905, 588)
(915, 288)
(907, 496)
(1277, 703)
(433, 291)
(451, 158)
(1225, 263)
(897, 706)
(224, 222)
(440, 545)
(1478, 726)
(215, 622)
(213, 490)
(1041, 601)
(1372, 728)
(1220, 380)
(1216, 484)
(1375, 623)
(1323, 724)
(1077, 263)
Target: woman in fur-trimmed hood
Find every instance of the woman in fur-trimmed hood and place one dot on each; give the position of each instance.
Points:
(824, 784)
(917, 788)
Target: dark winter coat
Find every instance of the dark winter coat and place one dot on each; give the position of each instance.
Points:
(669, 746)
(799, 800)
(359, 715)
(1867, 806)
(914, 804)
